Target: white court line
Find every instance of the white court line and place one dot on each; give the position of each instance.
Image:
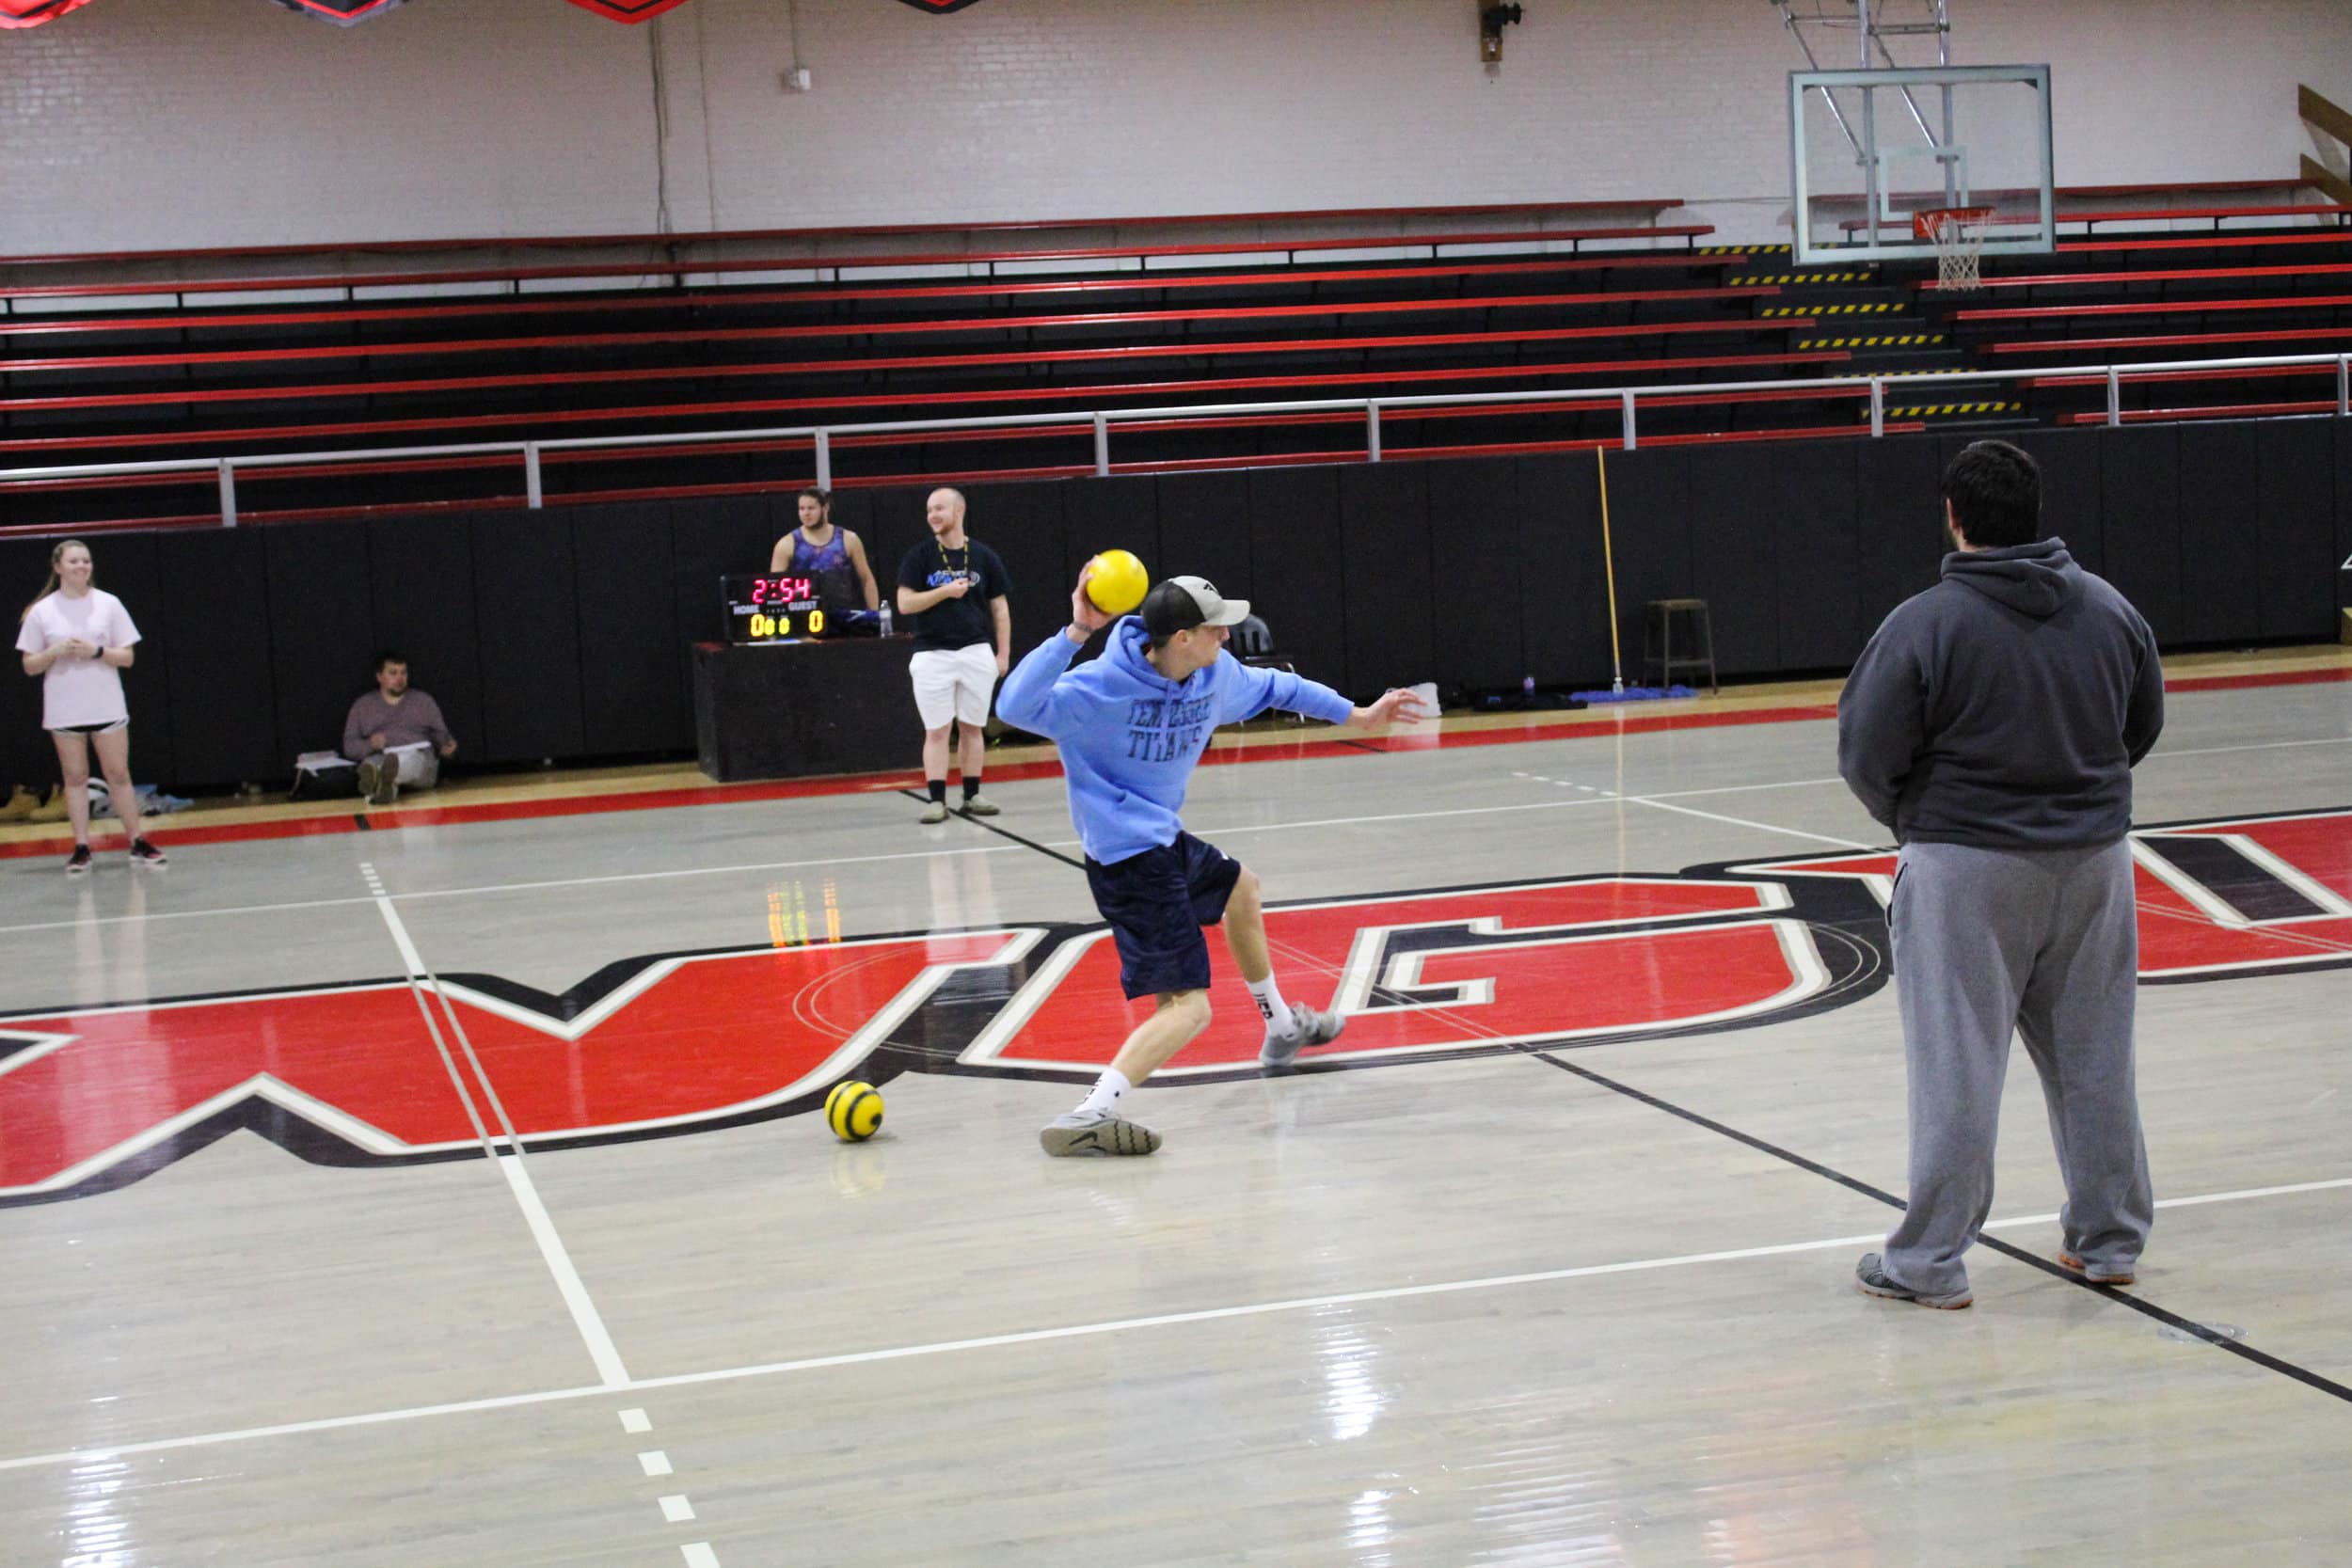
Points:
(655, 1463)
(699, 1555)
(1041, 1335)
(1006, 849)
(1746, 822)
(635, 1421)
(585, 1318)
(676, 1508)
(568, 1282)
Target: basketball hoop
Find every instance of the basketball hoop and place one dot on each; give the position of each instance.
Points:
(1958, 235)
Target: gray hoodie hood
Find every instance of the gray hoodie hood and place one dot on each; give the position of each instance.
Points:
(2037, 579)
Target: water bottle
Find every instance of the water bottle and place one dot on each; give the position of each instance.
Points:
(884, 613)
(1527, 692)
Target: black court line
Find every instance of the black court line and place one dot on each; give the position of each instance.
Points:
(2121, 1298)
(361, 817)
(1003, 832)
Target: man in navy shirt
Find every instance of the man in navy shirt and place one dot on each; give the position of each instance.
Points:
(951, 589)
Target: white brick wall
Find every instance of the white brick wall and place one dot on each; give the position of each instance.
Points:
(139, 123)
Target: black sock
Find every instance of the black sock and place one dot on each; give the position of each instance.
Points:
(970, 785)
(939, 791)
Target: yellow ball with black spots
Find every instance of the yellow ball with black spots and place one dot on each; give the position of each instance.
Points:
(854, 1110)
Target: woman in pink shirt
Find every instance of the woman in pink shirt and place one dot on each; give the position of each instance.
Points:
(78, 640)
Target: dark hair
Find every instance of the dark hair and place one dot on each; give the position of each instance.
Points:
(1995, 492)
(811, 493)
(389, 655)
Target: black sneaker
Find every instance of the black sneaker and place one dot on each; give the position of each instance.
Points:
(77, 864)
(144, 853)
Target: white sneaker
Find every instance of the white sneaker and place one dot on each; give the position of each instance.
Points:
(978, 806)
(934, 813)
(1313, 1028)
(1095, 1134)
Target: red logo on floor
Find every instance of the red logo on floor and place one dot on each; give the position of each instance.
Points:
(371, 1072)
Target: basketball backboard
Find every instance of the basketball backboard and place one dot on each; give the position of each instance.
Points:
(1870, 150)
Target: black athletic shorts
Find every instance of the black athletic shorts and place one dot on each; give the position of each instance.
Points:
(1157, 903)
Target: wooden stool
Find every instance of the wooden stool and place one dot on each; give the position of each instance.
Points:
(1669, 624)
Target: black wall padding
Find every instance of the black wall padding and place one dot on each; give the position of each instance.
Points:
(1023, 523)
(527, 603)
(424, 576)
(632, 694)
(1295, 580)
(26, 756)
(214, 619)
(1810, 519)
(2295, 529)
(1563, 595)
(563, 634)
(1733, 567)
(322, 632)
(1473, 584)
(1204, 532)
(1899, 533)
(2219, 486)
(1650, 501)
(2140, 523)
(1385, 571)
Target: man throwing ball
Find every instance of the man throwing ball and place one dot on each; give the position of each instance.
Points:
(1132, 725)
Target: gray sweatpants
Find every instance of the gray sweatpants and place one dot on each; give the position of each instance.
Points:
(2046, 941)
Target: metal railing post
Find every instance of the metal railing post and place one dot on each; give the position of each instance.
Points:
(1628, 398)
(532, 497)
(1877, 407)
(1371, 432)
(1101, 447)
(824, 461)
(2343, 384)
(227, 493)
(2115, 397)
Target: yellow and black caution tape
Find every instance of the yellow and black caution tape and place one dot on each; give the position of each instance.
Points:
(1883, 340)
(1880, 307)
(1743, 249)
(1947, 370)
(1928, 410)
(1802, 277)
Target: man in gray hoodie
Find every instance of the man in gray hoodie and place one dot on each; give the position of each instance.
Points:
(1991, 725)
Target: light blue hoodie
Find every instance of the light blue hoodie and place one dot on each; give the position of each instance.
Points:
(1129, 735)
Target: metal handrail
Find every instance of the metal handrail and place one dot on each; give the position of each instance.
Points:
(1101, 420)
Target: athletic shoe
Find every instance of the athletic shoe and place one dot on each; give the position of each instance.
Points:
(1314, 1028)
(978, 806)
(934, 813)
(1872, 1277)
(1095, 1134)
(380, 782)
(2073, 1264)
(78, 863)
(144, 853)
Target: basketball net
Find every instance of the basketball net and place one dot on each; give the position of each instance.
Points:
(1958, 235)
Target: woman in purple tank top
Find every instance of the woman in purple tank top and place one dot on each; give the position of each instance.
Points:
(835, 556)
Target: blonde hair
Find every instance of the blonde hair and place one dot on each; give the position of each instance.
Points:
(55, 582)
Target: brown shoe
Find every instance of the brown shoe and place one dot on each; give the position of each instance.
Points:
(2073, 1264)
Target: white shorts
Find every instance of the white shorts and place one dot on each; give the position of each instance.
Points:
(953, 685)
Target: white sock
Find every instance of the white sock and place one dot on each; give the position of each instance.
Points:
(1107, 1089)
(1270, 1004)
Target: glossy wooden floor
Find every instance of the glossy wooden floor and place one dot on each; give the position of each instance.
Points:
(1456, 1301)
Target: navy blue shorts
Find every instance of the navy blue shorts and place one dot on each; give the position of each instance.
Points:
(1157, 903)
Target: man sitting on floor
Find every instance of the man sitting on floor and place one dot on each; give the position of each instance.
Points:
(396, 736)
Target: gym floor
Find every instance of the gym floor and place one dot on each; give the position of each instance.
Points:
(454, 1190)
